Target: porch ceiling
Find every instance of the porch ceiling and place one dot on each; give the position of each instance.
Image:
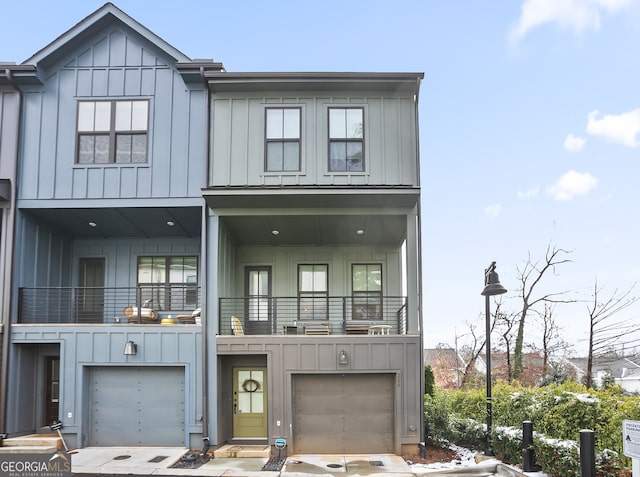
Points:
(316, 229)
(131, 222)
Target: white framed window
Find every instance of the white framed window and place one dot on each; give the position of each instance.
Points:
(282, 139)
(313, 291)
(170, 282)
(112, 132)
(366, 282)
(346, 139)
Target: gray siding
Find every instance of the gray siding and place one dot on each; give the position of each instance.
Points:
(49, 259)
(122, 255)
(287, 356)
(117, 64)
(43, 255)
(285, 260)
(81, 348)
(9, 120)
(238, 141)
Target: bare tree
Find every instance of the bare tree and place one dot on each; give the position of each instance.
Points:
(604, 333)
(470, 353)
(475, 347)
(530, 277)
(506, 324)
(552, 343)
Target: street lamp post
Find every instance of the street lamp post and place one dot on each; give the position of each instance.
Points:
(492, 287)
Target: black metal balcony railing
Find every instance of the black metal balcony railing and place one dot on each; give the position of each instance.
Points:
(312, 315)
(105, 305)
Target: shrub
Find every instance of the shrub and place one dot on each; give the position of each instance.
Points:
(558, 413)
(436, 416)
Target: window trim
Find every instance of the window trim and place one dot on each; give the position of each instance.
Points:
(112, 133)
(313, 295)
(373, 297)
(346, 140)
(283, 140)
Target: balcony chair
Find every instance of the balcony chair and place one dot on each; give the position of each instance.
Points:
(191, 319)
(236, 326)
(316, 328)
(357, 327)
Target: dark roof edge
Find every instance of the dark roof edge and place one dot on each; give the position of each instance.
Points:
(91, 19)
(313, 76)
(283, 81)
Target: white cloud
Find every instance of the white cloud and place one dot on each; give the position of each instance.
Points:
(529, 194)
(572, 184)
(574, 143)
(577, 15)
(493, 211)
(621, 129)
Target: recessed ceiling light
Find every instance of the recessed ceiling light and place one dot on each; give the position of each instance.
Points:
(170, 223)
(92, 224)
(360, 232)
(275, 232)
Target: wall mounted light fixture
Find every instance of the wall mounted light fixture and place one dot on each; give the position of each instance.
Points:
(343, 358)
(130, 348)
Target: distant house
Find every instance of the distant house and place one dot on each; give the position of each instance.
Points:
(624, 370)
(447, 366)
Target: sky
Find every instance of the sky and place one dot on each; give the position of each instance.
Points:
(529, 125)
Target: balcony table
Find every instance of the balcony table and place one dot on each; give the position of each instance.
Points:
(379, 329)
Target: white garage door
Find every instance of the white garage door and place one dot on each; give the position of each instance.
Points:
(133, 406)
(343, 413)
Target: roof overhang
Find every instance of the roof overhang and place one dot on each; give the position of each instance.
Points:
(311, 198)
(224, 82)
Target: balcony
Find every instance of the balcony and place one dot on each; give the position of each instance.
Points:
(313, 315)
(97, 305)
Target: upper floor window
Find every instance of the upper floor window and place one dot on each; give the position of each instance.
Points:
(346, 139)
(282, 139)
(313, 289)
(112, 132)
(366, 281)
(170, 282)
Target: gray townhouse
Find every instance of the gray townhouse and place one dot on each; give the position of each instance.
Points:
(204, 257)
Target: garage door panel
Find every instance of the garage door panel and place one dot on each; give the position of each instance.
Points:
(345, 413)
(137, 406)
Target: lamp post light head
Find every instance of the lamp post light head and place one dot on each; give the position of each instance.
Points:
(492, 282)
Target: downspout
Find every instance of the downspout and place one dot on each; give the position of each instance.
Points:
(8, 224)
(204, 316)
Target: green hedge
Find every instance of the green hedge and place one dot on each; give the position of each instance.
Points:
(558, 413)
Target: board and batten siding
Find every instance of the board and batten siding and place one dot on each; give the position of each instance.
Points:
(285, 260)
(122, 255)
(237, 144)
(89, 346)
(116, 65)
(288, 356)
(9, 120)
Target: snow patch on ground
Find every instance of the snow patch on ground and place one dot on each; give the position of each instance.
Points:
(466, 459)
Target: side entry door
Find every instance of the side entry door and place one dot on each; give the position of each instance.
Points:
(90, 296)
(258, 300)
